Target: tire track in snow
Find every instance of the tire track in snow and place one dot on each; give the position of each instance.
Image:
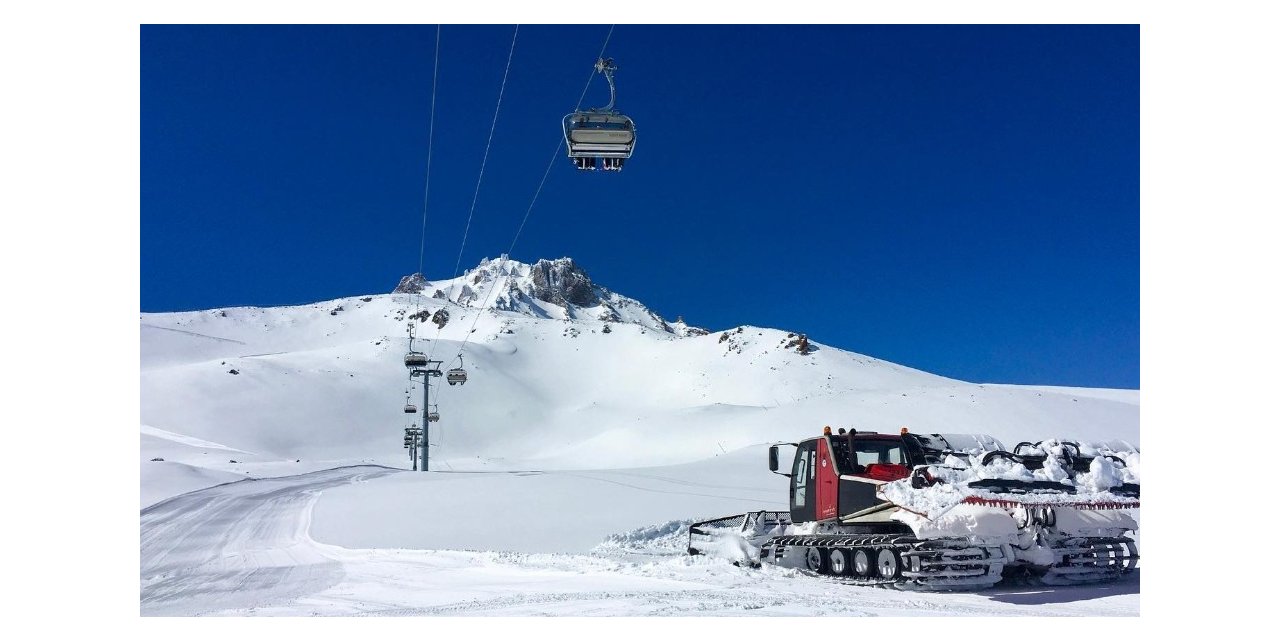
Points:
(240, 544)
(192, 333)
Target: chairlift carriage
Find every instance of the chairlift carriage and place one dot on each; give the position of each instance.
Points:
(600, 138)
(433, 416)
(457, 375)
(415, 360)
(410, 408)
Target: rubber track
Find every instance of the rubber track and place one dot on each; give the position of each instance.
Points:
(972, 570)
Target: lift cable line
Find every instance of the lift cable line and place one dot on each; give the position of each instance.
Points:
(488, 144)
(555, 154)
(426, 191)
(484, 161)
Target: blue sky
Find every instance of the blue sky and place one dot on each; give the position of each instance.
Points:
(960, 199)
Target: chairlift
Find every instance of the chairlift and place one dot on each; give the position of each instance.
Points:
(415, 360)
(457, 375)
(411, 408)
(433, 416)
(600, 138)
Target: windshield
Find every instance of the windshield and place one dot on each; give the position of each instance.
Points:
(865, 451)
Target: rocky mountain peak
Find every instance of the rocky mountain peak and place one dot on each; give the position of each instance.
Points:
(413, 283)
(559, 289)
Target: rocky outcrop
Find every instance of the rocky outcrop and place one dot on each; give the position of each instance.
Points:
(414, 283)
(562, 281)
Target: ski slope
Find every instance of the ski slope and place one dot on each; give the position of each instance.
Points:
(562, 470)
(258, 548)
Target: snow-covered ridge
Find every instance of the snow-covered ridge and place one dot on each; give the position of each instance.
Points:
(556, 381)
(550, 289)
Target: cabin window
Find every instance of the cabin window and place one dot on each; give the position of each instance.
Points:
(878, 452)
(799, 478)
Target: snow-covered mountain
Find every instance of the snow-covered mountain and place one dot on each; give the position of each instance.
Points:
(564, 373)
(549, 289)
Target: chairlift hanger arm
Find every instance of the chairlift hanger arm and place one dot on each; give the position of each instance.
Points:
(606, 67)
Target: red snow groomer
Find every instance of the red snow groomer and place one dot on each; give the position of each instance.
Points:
(942, 512)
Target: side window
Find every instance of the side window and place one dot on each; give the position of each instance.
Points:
(799, 477)
(801, 474)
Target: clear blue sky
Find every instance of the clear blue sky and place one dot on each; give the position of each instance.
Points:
(960, 199)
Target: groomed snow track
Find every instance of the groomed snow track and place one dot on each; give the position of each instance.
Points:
(238, 545)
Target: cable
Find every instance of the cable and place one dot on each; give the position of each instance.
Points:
(426, 191)
(487, 146)
(467, 230)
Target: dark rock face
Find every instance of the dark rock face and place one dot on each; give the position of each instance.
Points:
(562, 281)
(414, 283)
(440, 317)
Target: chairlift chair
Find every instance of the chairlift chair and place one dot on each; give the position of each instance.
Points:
(415, 360)
(600, 138)
(458, 374)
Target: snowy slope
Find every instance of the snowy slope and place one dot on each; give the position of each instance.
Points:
(325, 382)
(546, 511)
(248, 548)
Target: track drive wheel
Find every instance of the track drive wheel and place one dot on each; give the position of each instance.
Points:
(887, 564)
(864, 563)
(838, 560)
(815, 560)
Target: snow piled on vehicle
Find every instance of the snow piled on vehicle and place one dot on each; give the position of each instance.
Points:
(1050, 480)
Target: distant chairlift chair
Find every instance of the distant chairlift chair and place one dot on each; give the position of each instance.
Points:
(415, 360)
